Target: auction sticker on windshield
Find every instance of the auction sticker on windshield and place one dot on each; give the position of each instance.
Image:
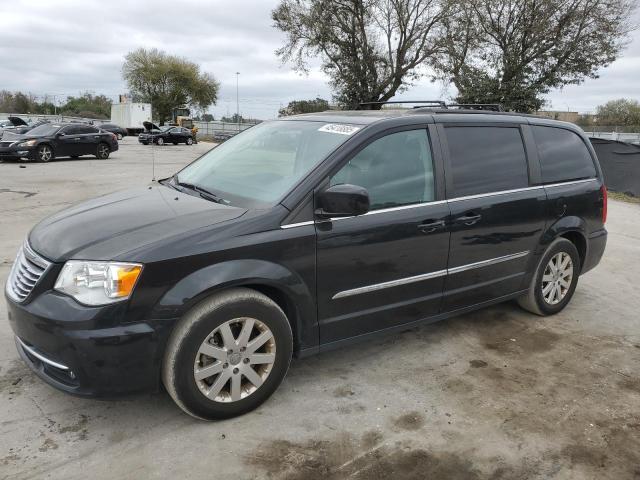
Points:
(339, 128)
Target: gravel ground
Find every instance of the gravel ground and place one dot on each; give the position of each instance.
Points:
(497, 394)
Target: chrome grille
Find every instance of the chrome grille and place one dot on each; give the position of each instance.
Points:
(25, 273)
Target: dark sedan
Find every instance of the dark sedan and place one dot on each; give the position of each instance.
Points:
(166, 134)
(116, 129)
(52, 140)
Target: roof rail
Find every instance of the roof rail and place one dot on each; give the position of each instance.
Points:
(493, 107)
(439, 103)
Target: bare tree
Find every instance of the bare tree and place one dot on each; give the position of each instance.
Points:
(370, 49)
(514, 51)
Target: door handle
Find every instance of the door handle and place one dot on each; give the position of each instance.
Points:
(430, 226)
(469, 218)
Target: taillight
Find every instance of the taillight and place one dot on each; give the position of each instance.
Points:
(603, 191)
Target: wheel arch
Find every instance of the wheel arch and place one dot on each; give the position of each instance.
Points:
(280, 284)
(573, 229)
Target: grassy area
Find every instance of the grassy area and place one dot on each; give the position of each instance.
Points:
(623, 197)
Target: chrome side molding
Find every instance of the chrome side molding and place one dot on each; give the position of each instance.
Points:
(428, 276)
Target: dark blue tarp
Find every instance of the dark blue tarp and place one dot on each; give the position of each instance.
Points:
(620, 162)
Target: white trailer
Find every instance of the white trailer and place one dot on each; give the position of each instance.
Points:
(130, 116)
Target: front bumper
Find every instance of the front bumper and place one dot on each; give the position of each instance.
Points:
(12, 153)
(88, 351)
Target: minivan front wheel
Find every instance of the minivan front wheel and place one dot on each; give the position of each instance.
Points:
(227, 355)
(555, 279)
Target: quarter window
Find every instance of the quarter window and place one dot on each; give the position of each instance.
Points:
(486, 159)
(396, 170)
(563, 155)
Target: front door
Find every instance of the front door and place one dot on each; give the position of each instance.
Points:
(387, 267)
(69, 143)
(497, 216)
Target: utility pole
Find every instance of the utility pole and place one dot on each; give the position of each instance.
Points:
(237, 100)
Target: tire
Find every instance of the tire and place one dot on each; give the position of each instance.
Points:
(175, 143)
(103, 151)
(555, 298)
(145, 143)
(189, 141)
(119, 136)
(75, 156)
(201, 328)
(160, 141)
(44, 154)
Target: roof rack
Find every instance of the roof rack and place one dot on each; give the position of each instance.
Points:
(493, 107)
(439, 103)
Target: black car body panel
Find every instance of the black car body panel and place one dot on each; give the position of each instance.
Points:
(65, 140)
(337, 279)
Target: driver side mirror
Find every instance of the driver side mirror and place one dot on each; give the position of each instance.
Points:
(61, 134)
(343, 200)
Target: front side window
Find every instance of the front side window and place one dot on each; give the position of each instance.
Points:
(257, 167)
(563, 155)
(396, 170)
(486, 159)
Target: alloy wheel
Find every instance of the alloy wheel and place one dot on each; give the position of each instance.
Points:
(45, 154)
(234, 360)
(103, 151)
(557, 278)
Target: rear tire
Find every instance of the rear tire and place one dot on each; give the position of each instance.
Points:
(103, 151)
(213, 375)
(551, 288)
(119, 136)
(44, 154)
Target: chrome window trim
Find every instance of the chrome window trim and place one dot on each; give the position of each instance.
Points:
(440, 202)
(40, 357)
(428, 276)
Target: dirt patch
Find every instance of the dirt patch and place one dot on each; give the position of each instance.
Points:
(632, 384)
(343, 392)
(48, 444)
(478, 363)
(14, 377)
(410, 421)
(341, 458)
(78, 427)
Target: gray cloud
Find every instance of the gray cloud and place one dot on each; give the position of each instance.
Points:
(64, 48)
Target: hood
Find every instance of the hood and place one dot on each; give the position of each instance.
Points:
(11, 136)
(150, 126)
(108, 227)
(17, 121)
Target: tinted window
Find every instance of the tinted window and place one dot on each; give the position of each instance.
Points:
(86, 129)
(72, 130)
(486, 159)
(563, 155)
(396, 170)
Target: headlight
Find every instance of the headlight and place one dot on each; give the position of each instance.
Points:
(28, 143)
(98, 283)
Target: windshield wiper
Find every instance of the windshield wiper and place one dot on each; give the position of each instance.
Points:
(203, 192)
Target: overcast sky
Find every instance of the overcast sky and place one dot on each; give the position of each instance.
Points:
(64, 47)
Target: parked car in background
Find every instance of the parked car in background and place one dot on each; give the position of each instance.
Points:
(54, 140)
(113, 128)
(301, 235)
(11, 124)
(166, 134)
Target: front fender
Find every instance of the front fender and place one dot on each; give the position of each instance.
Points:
(246, 272)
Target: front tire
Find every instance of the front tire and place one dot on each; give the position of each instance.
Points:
(227, 355)
(119, 136)
(555, 279)
(44, 154)
(189, 141)
(160, 141)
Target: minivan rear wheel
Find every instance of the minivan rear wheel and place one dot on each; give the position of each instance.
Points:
(227, 355)
(555, 279)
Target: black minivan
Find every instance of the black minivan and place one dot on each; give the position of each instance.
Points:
(300, 235)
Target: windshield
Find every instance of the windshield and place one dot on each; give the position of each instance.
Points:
(256, 168)
(45, 129)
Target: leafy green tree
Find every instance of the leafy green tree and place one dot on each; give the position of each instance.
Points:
(370, 49)
(621, 112)
(514, 52)
(304, 106)
(167, 81)
(87, 105)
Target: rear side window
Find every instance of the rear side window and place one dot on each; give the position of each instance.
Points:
(486, 159)
(563, 155)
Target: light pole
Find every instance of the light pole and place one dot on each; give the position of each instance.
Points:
(237, 101)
